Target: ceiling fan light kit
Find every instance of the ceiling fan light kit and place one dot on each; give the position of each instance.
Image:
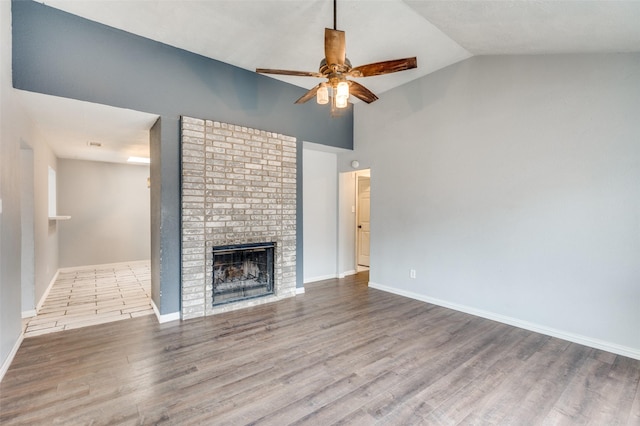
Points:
(335, 67)
(323, 94)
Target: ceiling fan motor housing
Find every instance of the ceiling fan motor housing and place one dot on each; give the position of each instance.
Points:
(327, 70)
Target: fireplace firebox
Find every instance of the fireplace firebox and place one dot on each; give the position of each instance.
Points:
(242, 271)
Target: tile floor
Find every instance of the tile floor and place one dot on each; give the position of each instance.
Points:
(94, 295)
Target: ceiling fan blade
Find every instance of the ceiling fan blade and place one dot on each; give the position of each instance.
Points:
(310, 94)
(334, 47)
(359, 91)
(288, 72)
(386, 67)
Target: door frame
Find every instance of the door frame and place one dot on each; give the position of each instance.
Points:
(357, 174)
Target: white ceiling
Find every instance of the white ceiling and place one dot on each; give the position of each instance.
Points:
(537, 27)
(69, 125)
(288, 34)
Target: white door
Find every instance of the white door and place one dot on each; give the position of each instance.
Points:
(364, 211)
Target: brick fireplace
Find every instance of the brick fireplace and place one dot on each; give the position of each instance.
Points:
(238, 188)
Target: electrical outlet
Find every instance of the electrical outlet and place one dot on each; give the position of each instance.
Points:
(412, 273)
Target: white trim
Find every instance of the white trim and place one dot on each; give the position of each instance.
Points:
(29, 314)
(320, 278)
(7, 362)
(347, 273)
(299, 290)
(174, 316)
(553, 332)
(46, 292)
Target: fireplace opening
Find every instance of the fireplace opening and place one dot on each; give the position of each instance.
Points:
(242, 271)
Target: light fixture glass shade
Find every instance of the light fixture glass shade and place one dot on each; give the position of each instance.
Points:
(341, 101)
(342, 90)
(322, 95)
(342, 94)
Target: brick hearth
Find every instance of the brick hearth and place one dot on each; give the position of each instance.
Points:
(238, 186)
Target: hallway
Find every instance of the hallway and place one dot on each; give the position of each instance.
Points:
(81, 297)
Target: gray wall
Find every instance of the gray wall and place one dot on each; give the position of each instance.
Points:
(155, 172)
(46, 231)
(61, 54)
(109, 208)
(511, 185)
(320, 182)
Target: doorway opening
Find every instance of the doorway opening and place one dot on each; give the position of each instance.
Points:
(103, 249)
(354, 230)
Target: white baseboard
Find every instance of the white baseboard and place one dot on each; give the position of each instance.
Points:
(571, 337)
(29, 314)
(46, 292)
(299, 290)
(347, 273)
(320, 278)
(7, 362)
(174, 316)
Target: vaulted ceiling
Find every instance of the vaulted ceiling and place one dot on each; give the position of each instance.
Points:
(288, 34)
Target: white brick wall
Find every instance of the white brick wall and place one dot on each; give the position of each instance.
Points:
(238, 186)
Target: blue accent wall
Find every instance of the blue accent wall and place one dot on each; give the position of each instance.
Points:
(61, 54)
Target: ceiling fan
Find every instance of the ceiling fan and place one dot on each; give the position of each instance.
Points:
(335, 67)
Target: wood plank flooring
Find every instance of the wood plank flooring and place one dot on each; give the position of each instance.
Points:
(339, 354)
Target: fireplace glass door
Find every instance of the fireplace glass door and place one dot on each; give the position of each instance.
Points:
(242, 272)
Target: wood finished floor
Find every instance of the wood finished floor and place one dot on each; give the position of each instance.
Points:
(339, 354)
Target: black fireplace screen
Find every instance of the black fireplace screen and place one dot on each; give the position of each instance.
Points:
(242, 272)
